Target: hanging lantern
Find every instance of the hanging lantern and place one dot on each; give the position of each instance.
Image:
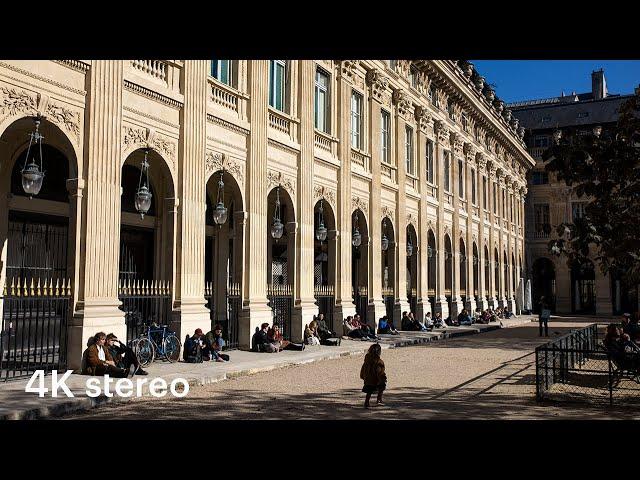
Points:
(409, 248)
(356, 239)
(321, 231)
(32, 175)
(277, 228)
(220, 212)
(430, 252)
(143, 195)
(385, 242)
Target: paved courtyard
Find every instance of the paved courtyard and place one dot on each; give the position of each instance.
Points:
(489, 376)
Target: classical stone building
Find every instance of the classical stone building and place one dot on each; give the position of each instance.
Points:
(582, 288)
(278, 187)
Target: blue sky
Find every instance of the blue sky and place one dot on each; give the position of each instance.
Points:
(517, 80)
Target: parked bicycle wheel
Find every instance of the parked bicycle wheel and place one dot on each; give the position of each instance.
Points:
(145, 351)
(172, 347)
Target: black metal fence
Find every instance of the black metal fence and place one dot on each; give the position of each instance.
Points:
(577, 367)
(389, 299)
(325, 299)
(281, 302)
(229, 323)
(34, 327)
(144, 302)
(361, 301)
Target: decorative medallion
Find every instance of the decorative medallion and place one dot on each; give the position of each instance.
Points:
(215, 161)
(348, 67)
(164, 147)
(275, 179)
(320, 191)
(457, 143)
(469, 151)
(388, 212)
(15, 102)
(442, 131)
(358, 203)
(481, 160)
(64, 117)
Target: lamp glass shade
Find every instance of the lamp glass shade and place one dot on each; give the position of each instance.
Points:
(277, 229)
(385, 243)
(143, 200)
(321, 232)
(220, 214)
(409, 249)
(32, 179)
(356, 241)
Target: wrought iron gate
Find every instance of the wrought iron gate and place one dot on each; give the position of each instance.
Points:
(361, 301)
(34, 327)
(144, 302)
(412, 296)
(389, 298)
(325, 299)
(281, 302)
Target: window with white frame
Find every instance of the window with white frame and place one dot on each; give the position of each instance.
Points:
(322, 101)
(460, 178)
(447, 171)
(409, 150)
(429, 162)
(277, 84)
(221, 71)
(385, 136)
(356, 120)
(473, 187)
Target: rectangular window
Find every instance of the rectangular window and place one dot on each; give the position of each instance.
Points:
(485, 193)
(460, 179)
(356, 120)
(541, 218)
(277, 84)
(473, 187)
(322, 101)
(221, 70)
(385, 140)
(539, 178)
(578, 210)
(447, 172)
(429, 162)
(409, 150)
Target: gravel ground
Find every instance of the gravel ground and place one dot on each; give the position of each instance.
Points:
(487, 376)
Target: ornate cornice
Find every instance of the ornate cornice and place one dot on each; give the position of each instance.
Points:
(387, 211)
(228, 125)
(275, 179)
(403, 103)
(215, 161)
(329, 195)
(442, 131)
(457, 143)
(41, 78)
(358, 204)
(347, 68)
(145, 92)
(379, 84)
(76, 65)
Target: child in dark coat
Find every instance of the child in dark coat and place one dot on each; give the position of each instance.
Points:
(373, 374)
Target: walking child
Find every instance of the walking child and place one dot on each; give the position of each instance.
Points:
(372, 372)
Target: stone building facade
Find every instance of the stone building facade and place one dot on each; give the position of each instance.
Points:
(579, 289)
(418, 159)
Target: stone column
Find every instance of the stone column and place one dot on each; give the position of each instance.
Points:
(456, 299)
(511, 297)
(344, 301)
(423, 118)
(469, 158)
(334, 272)
(482, 293)
(563, 287)
(190, 311)
(305, 307)
(403, 106)
(442, 140)
(492, 296)
(75, 187)
(97, 306)
(378, 96)
(502, 294)
(255, 308)
(220, 274)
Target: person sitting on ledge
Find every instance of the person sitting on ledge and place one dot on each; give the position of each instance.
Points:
(414, 324)
(214, 343)
(123, 355)
(351, 330)
(366, 329)
(261, 341)
(275, 337)
(383, 326)
(310, 337)
(464, 318)
(437, 321)
(100, 362)
(405, 322)
(428, 321)
(323, 330)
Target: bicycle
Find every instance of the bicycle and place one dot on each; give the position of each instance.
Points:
(157, 341)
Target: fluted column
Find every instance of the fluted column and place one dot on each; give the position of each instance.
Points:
(492, 297)
(305, 307)
(189, 308)
(442, 139)
(255, 308)
(482, 293)
(97, 306)
(469, 171)
(344, 300)
(502, 294)
(423, 306)
(456, 299)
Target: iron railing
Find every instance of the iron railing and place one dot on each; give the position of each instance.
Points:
(361, 301)
(230, 322)
(412, 297)
(326, 300)
(389, 298)
(144, 302)
(34, 327)
(281, 302)
(577, 367)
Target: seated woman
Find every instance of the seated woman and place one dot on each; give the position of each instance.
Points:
(437, 321)
(464, 318)
(275, 337)
(310, 338)
(383, 326)
(261, 342)
(351, 330)
(623, 351)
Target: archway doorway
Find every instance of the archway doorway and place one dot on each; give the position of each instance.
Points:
(388, 267)
(432, 266)
(324, 255)
(360, 263)
(412, 268)
(543, 284)
(448, 270)
(583, 288)
(463, 273)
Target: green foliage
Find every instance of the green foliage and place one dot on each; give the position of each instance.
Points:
(604, 170)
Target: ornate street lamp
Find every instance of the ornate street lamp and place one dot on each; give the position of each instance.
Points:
(356, 239)
(143, 195)
(409, 248)
(321, 231)
(385, 240)
(220, 212)
(32, 175)
(277, 227)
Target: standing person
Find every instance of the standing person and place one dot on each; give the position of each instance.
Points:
(543, 318)
(373, 374)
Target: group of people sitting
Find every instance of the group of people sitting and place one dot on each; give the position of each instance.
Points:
(205, 347)
(107, 355)
(269, 339)
(319, 333)
(354, 327)
(622, 343)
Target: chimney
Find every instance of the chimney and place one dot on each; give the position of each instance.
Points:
(598, 85)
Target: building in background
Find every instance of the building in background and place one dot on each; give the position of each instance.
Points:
(581, 289)
(249, 191)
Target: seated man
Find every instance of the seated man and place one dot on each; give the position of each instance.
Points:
(405, 322)
(194, 348)
(123, 355)
(437, 321)
(100, 361)
(214, 343)
(383, 326)
(428, 321)
(323, 329)
(414, 324)
(262, 342)
(366, 329)
(464, 318)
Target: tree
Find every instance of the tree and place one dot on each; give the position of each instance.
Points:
(603, 168)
